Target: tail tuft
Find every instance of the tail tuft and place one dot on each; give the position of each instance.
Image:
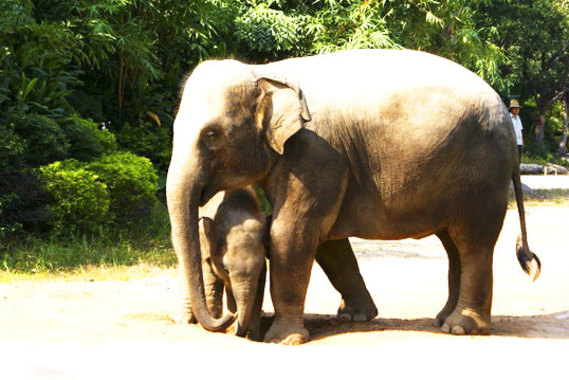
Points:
(528, 260)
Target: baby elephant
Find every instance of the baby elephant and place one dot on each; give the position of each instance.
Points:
(234, 241)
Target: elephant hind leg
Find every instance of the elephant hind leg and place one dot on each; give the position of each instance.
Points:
(453, 277)
(471, 314)
(338, 261)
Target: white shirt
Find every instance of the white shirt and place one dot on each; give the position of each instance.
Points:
(518, 129)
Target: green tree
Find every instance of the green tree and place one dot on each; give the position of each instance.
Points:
(36, 69)
(446, 28)
(534, 35)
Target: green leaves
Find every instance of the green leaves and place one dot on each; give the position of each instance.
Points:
(350, 24)
(25, 88)
(44, 139)
(268, 31)
(113, 190)
(80, 201)
(132, 183)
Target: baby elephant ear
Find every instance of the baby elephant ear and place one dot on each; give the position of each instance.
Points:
(281, 111)
(206, 227)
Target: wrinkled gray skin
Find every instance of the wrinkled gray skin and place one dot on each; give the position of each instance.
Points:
(233, 241)
(375, 144)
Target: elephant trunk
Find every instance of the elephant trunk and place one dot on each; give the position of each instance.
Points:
(183, 192)
(245, 299)
(249, 298)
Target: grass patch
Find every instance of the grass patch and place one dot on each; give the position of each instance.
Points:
(85, 257)
(103, 255)
(545, 161)
(103, 272)
(542, 197)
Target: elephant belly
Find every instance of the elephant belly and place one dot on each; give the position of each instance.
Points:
(424, 205)
(369, 220)
(404, 226)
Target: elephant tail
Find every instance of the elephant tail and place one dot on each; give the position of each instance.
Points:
(528, 260)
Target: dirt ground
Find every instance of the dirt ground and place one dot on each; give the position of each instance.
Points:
(123, 329)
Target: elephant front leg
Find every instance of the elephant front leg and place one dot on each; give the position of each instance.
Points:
(184, 313)
(338, 261)
(213, 288)
(290, 269)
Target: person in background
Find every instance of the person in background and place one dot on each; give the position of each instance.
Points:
(518, 127)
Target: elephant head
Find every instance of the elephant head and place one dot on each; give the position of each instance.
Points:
(232, 123)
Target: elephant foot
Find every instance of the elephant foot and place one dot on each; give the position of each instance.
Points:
(443, 315)
(357, 311)
(255, 336)
(185, 317)
(466, 321)
(284, 332)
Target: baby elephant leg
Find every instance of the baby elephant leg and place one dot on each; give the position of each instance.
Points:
(213, 288)
(338, 261)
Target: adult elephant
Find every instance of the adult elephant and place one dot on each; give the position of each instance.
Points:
(377, 144)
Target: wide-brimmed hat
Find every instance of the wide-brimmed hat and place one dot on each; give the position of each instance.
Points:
(514, 104)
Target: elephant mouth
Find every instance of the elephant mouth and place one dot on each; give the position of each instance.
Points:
(206, 194)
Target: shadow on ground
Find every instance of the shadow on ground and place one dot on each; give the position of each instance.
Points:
(549, 326)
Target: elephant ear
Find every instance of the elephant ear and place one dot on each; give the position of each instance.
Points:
(281, 111)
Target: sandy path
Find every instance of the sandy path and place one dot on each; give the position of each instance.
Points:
(119, 329)
(546, 182)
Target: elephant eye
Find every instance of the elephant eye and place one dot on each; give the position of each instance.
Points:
(211, 134)
(210, 137)
(224, 262)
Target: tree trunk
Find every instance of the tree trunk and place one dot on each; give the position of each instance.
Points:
(544, 101)
(563, 142)
(540, 125)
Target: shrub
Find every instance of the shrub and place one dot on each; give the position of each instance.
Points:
(115, 189)
(87, 141)
(80, 200)
(12, 148)
(45, 141)
(132, 183)
(8, 226)
(22, 196)
(149, 140)
(23, 199)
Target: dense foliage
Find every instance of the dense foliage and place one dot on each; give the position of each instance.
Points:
(82, 82)
(115, 189)
(79, 200)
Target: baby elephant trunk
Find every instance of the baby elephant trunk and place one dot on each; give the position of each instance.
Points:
(249, 298)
